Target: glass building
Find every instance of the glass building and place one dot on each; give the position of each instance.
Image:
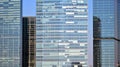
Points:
(28, 41)
(62, 33)
(107, 41)
(10, 33)
(118, 19)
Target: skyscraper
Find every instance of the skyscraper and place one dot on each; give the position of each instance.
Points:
(108, 40)
(28, 56)
(62, 33)
(10, 33)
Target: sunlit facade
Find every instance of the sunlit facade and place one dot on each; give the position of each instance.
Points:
(62, 33)
(10, 33)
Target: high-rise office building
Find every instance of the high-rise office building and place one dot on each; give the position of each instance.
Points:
(107, 42)
(62, 33)
(10, 33)
(28, 56)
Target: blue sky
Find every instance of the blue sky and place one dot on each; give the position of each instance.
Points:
(29, 7)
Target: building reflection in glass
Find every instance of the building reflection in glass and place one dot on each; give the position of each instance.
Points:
(96, 42)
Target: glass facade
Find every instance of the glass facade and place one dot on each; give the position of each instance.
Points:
(62, 33)
(118, 15)
(106, 42)
(28, 41)
(96, 41)
(10, 33)
(105, 11)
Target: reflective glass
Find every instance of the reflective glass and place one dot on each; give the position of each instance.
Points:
(62, 33)
(10, 33)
